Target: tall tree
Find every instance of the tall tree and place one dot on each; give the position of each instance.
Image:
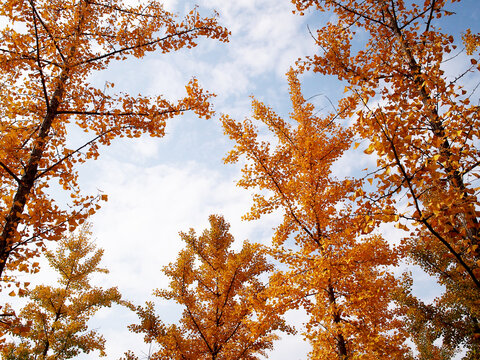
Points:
(48, 51)
(54, 323)
(224, 315)
(423, 129)
(335, 272)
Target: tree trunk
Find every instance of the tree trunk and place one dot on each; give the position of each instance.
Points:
(27, 181)
(339, 339)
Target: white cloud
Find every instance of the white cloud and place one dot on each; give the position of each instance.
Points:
(139, 228)
(148, 206)
(228, 79)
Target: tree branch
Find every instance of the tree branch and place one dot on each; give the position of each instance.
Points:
(10, 172)
(139, 46)
(47, 30)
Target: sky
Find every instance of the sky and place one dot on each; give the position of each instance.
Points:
(158, 187)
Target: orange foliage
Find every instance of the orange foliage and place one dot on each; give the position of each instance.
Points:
(222, 296)
(48, 51)
(422, 128)
(335, 273)
(424, 131)
(53, 325)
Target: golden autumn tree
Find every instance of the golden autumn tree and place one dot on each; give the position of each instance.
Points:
(221, 293)
(55, 320)
(423, 127)
(451, 317)
(48, 51)
(338, 275)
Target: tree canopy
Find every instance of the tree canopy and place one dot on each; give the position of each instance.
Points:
(54, 323)
(409, 109)
(338, 275)
(222, 294)
(48, 50)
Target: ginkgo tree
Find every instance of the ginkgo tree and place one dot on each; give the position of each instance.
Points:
(48, 50)
(226, 315)
(54, 323)
(335, 272)
(423, 126)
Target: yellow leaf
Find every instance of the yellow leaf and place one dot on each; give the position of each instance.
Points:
(370, 149)
(401, 226)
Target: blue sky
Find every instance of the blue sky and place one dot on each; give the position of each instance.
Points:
(158, 187)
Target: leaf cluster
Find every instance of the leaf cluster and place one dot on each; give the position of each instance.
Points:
(54, 323)
(226, 314)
